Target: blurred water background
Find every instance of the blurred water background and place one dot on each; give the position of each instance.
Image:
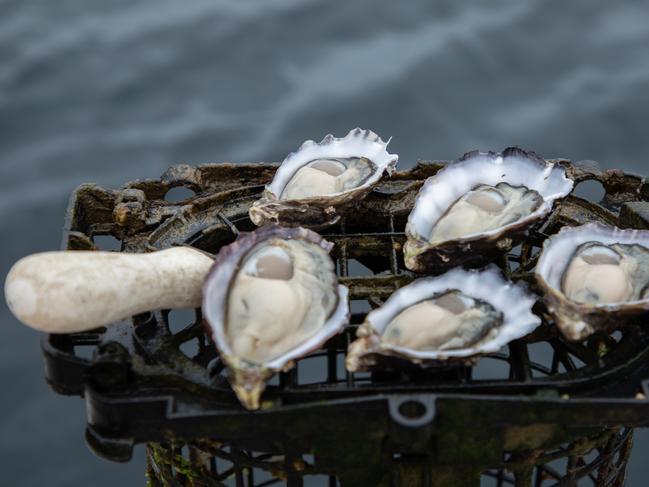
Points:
(113, 91)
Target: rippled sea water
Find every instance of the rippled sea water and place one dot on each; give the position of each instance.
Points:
(113, 91)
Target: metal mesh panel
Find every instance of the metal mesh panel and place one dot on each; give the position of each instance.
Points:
(158, 378)
(598, 461)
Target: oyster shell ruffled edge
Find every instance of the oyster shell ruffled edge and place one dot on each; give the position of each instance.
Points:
(578, 321)
(488, 284)
(248, 380)
(321, 212)
(551, 181)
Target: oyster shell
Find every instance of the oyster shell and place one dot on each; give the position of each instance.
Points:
(313, 183)
(478, 207)
(594, 276)
(455, 316)
(271, 297)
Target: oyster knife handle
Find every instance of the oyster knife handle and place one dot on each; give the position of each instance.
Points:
(72, 291)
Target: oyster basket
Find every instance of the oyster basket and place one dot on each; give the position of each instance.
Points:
(543, 411)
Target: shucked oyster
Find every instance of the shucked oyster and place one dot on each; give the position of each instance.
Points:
(458, 315)
(479, 206)
(594, 276)
(271, 297)
(314, 182)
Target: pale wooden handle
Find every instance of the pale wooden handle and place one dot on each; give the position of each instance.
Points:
(70, 291)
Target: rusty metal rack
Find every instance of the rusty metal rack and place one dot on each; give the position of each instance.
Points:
(543, 411)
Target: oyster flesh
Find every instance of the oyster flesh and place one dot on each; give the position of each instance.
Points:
(271, 297)
(594, 276)
(316, 181)
(455, 316)
(476, 208)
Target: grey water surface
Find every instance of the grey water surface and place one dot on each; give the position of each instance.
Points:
(108, 92)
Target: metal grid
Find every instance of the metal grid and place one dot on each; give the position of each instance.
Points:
(159, 377)
(598, 461)
(525, 366)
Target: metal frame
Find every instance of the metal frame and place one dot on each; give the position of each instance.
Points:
(142, 385)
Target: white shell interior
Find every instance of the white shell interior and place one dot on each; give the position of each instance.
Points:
(450, 183)
(559, 249)
(357, 143)
(488, 285)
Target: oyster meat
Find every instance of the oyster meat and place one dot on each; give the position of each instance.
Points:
(594, 276)
(324, 177)
(485, 208)
(272, 297)
(314, 183)
(458, 315)
(607, 274)
(478, 207)
(448, 321)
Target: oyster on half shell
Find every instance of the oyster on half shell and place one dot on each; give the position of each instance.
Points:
(455, 316)
(271, 296)
(316, 181)
(594, 276)
(478, 207)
